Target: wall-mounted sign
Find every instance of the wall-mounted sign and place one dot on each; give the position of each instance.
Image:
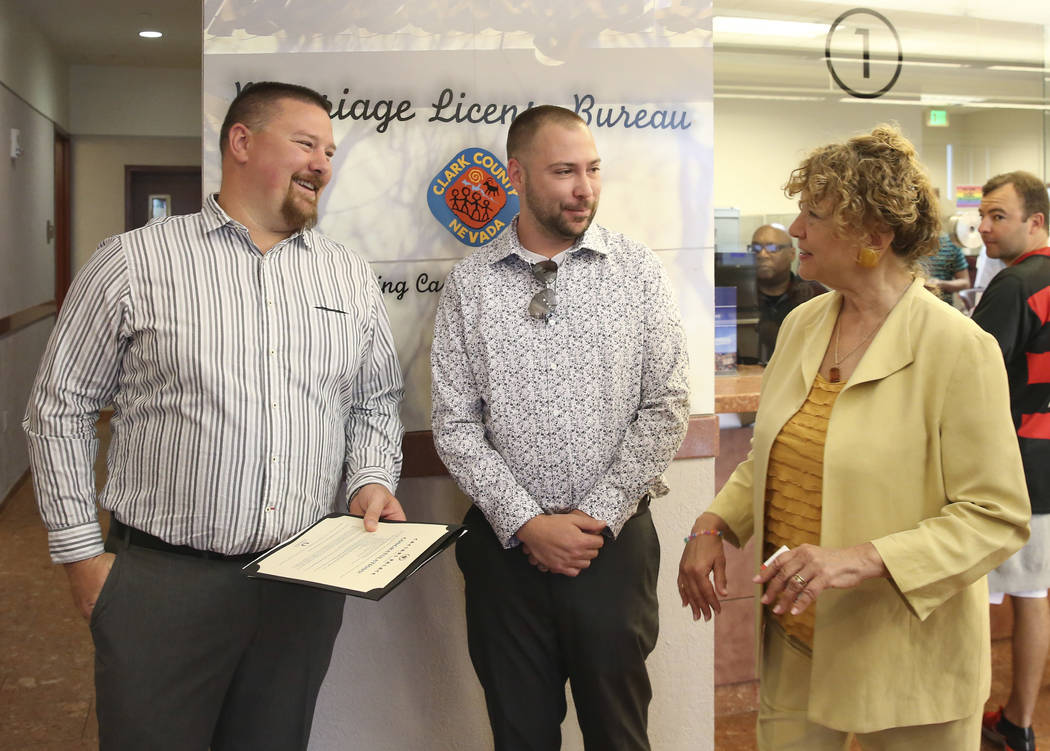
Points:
(472, 197)
(422, 96)
(937, 118)
(967, 196)
(863, 53)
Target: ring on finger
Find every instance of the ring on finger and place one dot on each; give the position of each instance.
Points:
(799, 580)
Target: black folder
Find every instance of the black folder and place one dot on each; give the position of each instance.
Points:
(396, 555)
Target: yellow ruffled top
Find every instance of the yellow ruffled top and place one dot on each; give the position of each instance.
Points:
(793, 489)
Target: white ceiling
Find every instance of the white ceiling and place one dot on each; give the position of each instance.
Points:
(105, 32)
(952, 57)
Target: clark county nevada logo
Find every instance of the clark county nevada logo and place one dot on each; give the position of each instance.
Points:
(472, 197)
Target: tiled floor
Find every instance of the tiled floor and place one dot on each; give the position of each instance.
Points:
(46, 692)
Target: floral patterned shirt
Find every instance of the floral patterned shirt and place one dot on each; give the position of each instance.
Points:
(583, 410)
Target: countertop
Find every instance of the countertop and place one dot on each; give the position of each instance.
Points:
(738, 392)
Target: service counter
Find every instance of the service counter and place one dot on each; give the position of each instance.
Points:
(738, 392)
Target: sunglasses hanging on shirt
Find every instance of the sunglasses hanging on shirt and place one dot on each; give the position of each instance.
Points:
(545, 302)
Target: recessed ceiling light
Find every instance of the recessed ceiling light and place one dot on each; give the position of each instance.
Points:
(768, 27)
(1019, 68)
(150, 34)
(884, 100)
(778, 97)
(943, 99)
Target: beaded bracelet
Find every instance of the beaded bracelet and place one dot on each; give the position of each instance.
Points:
(693, 535)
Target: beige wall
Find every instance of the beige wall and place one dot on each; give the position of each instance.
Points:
(26, 206)
(98, 181)
(33, 96)
(121, 101)
(30, 66)
(983, 144)
(759, 142)
(27, 260)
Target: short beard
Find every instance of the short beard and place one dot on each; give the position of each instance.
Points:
(555, 222)
(299, 214)
(296, 217)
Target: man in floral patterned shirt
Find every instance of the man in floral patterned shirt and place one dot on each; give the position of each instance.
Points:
(559, 398)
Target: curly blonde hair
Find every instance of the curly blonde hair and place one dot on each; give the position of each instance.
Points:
(873, 183)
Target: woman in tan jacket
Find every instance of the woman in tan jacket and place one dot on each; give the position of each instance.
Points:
(884, 458)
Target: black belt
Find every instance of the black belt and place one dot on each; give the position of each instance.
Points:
(138, 538)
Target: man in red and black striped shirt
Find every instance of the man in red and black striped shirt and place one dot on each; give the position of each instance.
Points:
(1015, 309)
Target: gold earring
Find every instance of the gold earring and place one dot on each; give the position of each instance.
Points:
(868, 258)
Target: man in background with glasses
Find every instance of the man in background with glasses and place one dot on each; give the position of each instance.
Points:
(779, 289)
(559, 398)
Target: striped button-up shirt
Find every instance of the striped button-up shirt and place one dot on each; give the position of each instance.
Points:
(584, 410)
(247, 388)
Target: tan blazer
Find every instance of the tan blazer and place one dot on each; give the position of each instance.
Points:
(921, 459)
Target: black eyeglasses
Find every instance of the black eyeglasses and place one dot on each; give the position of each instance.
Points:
(544, 303)
(768, 247)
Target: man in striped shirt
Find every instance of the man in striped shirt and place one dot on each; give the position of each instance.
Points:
(1015, 309)
(255, 389)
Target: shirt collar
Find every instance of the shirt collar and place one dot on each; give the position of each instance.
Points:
(508, 244)
(1029, 254)
(215, 217)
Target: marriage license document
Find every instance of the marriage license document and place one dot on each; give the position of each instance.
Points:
(337, 553)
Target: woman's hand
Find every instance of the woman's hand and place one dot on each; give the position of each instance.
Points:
(703, 555)
(795, 578)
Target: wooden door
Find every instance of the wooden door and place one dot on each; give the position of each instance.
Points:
(177, 189)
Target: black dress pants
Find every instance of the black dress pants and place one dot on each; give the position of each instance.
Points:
(191, 654)
(528, 632)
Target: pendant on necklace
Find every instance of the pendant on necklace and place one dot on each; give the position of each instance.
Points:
(833, 374)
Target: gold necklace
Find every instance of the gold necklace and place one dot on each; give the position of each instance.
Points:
(834, 374)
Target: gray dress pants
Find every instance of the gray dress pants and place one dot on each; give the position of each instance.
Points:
(191, 655)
